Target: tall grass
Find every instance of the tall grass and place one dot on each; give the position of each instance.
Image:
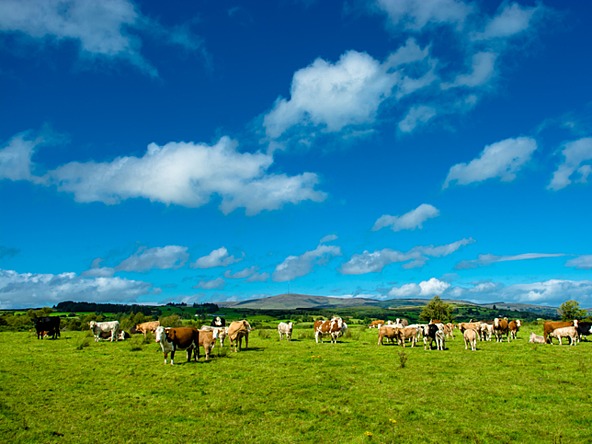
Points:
(293, 392)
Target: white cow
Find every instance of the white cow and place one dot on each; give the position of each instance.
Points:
(101, 327)
(565, 332)
(285, 329)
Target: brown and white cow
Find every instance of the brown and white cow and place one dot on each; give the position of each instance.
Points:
(514, 327)
(501, 327)
(332, 328)
(179, 338)
(238, 330)
(146, 327)
(376, 324)
(549, 326)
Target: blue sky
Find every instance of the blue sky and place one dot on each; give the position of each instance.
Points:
(209, 151)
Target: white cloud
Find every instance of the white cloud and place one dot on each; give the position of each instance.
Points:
(348, 92)
(297, 266)
(251, 274)
(417, 115)
(582, 262)
(214, 284)
(431, 287)
(374, 262)
(577, 162)
(415, 15)
(188, 174)
(513, 19)
(329, 238)
(110, 29)
(500, 160)
(22, 290)
(16, 156)
(163, 258)
(409, 221)
(217, 258)
(482, 70)
(488, 259)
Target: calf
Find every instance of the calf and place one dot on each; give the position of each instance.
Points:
(549, 326)
(207, 340)
(470, 337)
(536, 339)
(179, 338)
(565, 332)
(285, 329)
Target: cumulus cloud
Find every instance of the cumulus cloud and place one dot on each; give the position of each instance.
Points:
(581, 262)
(488, 259)
(408, 221)
(217, 258)
(169, 257)
(415, 15)
(297, 266)
(431, 287)
(23, 290)
(214, 284)
(576, 166)
(16, 156)
(109, 29)
(374, 262)
(190, 175)
(500, 160)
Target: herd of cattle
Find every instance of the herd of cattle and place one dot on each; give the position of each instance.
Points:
(398, 332)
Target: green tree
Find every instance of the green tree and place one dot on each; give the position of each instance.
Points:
(570, 310)
(436, 309)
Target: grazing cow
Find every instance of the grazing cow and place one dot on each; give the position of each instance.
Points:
(431, 333)
(285, 329)
(179, 338)
(500, 328)
(449, 330)
(207, 340)
(47, 326)
(218, 322)
(376, 324)
(406, 333)
(146, 327)
(121, 336)
(514, 327)
(584, 329)
(387, 332)
(462, 326)
(536, 339)
(549, 326)
(236, 332)
(470, 337)
(98, 327)
(565, 332)
(332, 328)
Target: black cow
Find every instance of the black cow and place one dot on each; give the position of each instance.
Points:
(218, 322)
(49, 325)
(584, 328)
(431, 333)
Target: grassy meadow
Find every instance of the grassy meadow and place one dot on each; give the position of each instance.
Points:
(73, 390)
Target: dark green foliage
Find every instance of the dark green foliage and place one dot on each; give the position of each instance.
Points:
(570, 310)
(437, 309)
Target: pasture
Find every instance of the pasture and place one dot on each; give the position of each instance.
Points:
(73, 390)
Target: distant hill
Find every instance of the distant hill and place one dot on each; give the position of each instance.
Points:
(303, 301)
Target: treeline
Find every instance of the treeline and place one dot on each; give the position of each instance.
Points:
(146, 310)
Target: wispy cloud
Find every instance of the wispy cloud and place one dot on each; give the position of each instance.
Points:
(412, 220)
(581, 262)
(488, 259)
(577, 162)
(163, 258)
(214, 284)
(414, 15)
(374, 262)
(296, 266)
(501, 160)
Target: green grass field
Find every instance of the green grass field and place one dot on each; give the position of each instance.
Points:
(73, 390)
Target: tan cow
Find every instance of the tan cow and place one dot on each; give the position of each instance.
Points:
(238, 330)
(376, 324)
(406, 333)
(387, 332)
(146, 327)
(470, 337)
(207, 340)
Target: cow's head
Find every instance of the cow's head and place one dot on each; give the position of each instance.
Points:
(160, 333)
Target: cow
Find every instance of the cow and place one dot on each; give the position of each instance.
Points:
(500, 328)
(332, 328)
(122, 335)
(406, 333)
(431, 333)
(285, 329)
(221, 332)
(485, 331)
(98, 327)
(146, 327)
(584, 328)
(207, 340)
(565, 332)
(179, 338)
(376, 324)
(449, 330)
(218, 322)
(47, 326)
(238, 330)
(549, 326)
(536, 339)
(514, 327)
(388, 332)
(470, 337)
